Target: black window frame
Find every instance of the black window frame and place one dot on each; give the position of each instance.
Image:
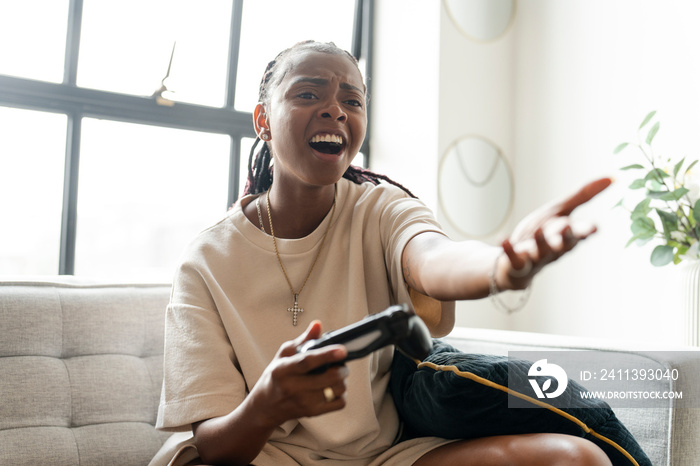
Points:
(78, 103)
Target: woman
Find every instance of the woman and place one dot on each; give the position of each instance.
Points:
(313, 243)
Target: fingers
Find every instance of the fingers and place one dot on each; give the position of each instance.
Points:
(585, 194)
(516, 261)
(568, 239)
(547, 234)
(545, 251)
(333, 393)
(289, 388)
(314, 360)
(312, 332)
(298, 394)
(286, 392)
(528, 257)
(309, 360)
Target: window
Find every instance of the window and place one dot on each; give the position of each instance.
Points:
(31, 190)
(144, 196)
(127, 124)
(114, 42)
(33, 44)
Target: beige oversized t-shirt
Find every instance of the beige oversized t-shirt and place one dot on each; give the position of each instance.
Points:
(228, 317)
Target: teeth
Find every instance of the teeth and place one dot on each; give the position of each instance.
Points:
(327, 138)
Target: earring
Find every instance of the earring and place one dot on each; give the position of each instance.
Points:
(265, 136)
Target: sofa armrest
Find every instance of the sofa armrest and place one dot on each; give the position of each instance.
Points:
(670, 435)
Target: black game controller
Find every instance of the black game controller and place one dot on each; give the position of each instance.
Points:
(396, 325)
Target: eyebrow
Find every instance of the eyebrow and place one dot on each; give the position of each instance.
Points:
(324, 82)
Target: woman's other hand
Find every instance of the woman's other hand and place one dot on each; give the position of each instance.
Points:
(288, 390)
(544, 236)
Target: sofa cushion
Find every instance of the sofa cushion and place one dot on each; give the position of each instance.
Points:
(670, 435)
(458, 395)
(80, 372)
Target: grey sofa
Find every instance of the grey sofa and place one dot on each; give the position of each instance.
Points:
(81, 371)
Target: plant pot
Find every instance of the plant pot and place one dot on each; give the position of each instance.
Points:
(691, 301)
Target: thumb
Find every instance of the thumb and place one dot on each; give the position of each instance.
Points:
(312, 332)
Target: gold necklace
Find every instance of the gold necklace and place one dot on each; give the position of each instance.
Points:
(295, 310)
(257, 207)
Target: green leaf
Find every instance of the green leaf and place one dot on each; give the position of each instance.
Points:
(674, 195)
(652, 132)
(656, 186)
(656, 174)
(669, 222)
(638, 184)
(621, 147)
(641, 210)
(642, 241)
(696, 211)
(677, 168)
(647, 119)
(631, 241)
(661, 255)
(631, 167)
(643, 227)
(682, 249)
(691, 166)
(639, 241)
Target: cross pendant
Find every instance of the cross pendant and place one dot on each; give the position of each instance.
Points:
(295, 310)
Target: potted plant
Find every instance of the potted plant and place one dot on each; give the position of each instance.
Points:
(669, 210)
(668, 214)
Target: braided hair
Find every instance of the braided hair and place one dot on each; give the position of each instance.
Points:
(260, 173)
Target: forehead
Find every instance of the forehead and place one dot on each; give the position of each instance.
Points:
(329, 66)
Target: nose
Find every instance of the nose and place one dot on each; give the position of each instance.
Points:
(333, 111)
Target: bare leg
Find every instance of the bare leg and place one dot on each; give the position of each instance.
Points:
(518, 450)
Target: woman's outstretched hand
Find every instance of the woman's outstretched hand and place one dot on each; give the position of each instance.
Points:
(544, 236)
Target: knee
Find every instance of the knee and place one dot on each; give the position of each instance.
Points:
(566, 450)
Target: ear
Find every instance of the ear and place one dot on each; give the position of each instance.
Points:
(260, 119)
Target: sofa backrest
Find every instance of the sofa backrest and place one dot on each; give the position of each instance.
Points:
(80, 372)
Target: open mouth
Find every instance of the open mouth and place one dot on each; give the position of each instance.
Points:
(327, 143)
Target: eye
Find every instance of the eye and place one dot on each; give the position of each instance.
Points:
(354, 103)
(307, 95)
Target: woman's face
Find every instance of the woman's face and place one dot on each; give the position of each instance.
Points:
(316, 118)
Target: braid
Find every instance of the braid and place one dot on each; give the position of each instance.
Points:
(361, 175)
(259, 170)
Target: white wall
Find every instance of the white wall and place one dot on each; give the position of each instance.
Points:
(404, 100)
(568, 82)
(587, 72)
(476, 99)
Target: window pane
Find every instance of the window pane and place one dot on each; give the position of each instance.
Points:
(291, 22)
(33, 38)
(32, 155)
(246, 144)
(144, 193)
(126, 45)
